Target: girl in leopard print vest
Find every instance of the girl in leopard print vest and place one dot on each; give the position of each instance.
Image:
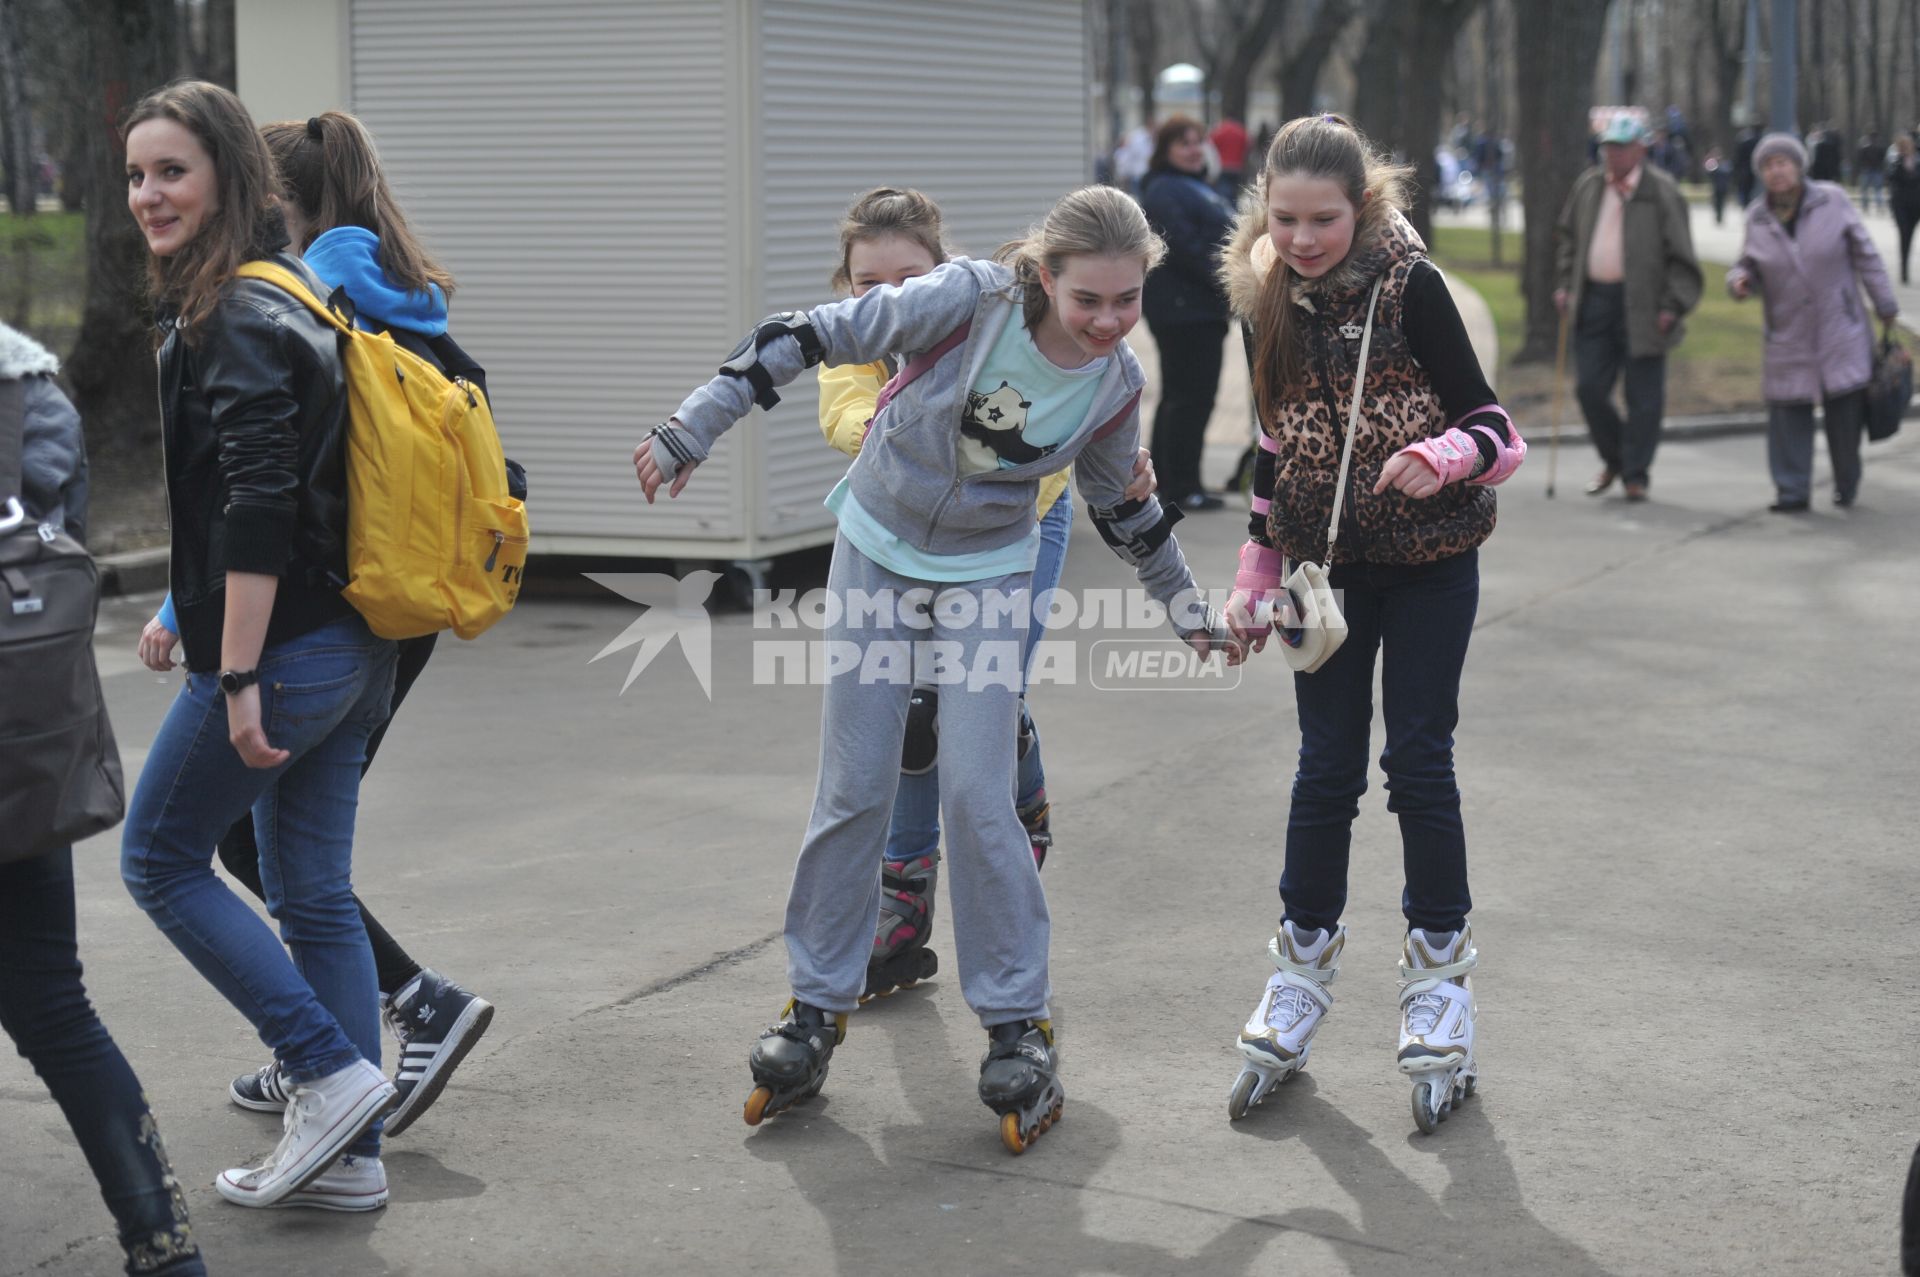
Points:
(1320, 228)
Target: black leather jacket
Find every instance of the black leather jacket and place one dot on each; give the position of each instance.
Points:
(254, 419)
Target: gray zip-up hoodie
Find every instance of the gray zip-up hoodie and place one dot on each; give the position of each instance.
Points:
(908, 475)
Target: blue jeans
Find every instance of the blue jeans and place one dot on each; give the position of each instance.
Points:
(44, 1008)
(1419, 617)
(321, 695)
(916, 806)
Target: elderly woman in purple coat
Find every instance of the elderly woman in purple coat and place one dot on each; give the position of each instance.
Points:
(1808, 256)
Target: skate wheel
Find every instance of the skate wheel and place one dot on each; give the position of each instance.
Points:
(1425, 1114)
(908, 984)
(757, 1105)
(929, 964)
(1240, 1099)
(1468, 1087)
(1011, 1135)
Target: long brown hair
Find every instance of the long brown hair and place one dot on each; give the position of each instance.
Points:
(1094, 221)
(330, 169)
(1314, 146)
(1171, 130)
(243, 224)
(884, 211)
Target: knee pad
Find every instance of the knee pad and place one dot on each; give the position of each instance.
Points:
(921, 749)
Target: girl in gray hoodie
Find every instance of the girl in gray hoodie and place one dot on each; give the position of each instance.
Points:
(1013, 370)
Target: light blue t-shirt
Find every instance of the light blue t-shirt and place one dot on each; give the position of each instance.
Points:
(1020, 408)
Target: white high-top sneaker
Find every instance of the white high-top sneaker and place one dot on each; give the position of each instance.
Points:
(1436, 1001)
(1280, 1031)
(323, 1118)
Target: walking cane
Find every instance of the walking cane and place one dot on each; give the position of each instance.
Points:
(1559, 401)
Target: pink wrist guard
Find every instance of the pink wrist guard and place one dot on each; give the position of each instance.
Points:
(1508, 453)
(1260, 569)
(1452, 455)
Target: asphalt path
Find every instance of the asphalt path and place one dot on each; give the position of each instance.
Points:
(1688, 758)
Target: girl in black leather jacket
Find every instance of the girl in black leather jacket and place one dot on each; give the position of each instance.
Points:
(284, 680)
(342, 218)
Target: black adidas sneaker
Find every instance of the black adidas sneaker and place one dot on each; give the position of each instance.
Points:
(436, 1023)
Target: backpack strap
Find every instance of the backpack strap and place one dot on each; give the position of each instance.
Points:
(1117, 420)
(13, 434)
(918, 366)
(285, 280)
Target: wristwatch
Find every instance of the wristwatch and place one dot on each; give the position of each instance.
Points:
(233, 682)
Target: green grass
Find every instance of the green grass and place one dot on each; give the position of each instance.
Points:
(43, 275)
(1716, 368)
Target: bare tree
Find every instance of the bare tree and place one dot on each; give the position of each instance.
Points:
(1232, 45)
(131, 47)
(16, 138)
(1560, 44)
(1144, 32)
(1307, 56)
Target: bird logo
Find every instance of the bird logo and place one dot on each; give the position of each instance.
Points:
(676, 610)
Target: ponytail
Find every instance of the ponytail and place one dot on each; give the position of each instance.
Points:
(330, 168)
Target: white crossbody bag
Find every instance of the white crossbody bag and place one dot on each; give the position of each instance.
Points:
(1322, 628)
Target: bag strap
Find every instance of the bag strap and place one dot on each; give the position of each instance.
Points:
(1353, 420)
(285, 280)
(13, 439)
(918, 366)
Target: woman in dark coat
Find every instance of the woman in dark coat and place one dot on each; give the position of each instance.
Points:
(1184, 306)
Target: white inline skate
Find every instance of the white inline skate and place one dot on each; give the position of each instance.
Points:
(1280, 1031)
(1436, 1021)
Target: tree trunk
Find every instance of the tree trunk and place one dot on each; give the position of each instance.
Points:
(1145, 34)
(130, 50)
(1300, 73)
(17, 151)
(221, 59)
(1436, 24)
(1559, 49)
(1377, 72)
(1249, 46)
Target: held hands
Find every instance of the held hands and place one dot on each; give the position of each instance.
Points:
(1249, 632)
(1257, 581)
(248, 738)
(1219, 639)
(155, 648)
(1145, 482)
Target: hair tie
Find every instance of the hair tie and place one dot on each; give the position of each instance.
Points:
(1325, 119)
(313, 127)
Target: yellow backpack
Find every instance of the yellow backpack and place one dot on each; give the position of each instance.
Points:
(434, 540)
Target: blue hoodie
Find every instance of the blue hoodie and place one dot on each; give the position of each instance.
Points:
(348, 256)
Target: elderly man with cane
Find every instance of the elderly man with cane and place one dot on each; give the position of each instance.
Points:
(1625, 274)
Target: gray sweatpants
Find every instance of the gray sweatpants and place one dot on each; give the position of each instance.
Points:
(1000, 922)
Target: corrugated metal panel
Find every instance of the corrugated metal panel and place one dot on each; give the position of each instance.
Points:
(980, 103)
(569, 161)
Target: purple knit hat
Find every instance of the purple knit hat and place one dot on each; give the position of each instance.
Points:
(1780, 144)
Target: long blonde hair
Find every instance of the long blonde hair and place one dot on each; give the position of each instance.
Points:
(1315, 146)
(1094, 221)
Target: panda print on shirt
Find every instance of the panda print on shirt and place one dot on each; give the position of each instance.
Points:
(994, 426)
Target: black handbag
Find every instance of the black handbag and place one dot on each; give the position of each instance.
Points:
(1891, 388)
(59, 768)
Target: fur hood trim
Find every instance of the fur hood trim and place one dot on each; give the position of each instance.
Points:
(1382, 236)
(22, 356)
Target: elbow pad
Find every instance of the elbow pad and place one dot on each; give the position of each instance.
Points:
(745, 360)
(1137, 548)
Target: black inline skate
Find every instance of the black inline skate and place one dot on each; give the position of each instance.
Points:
(789, 1062)
(900, 957)
(1020, 1080)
